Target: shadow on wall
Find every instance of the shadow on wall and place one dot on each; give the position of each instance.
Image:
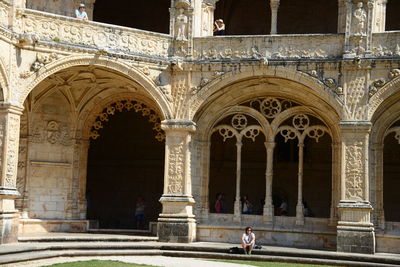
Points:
(294, 17)
(145, 15)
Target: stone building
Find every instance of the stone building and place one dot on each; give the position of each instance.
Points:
(298, 102)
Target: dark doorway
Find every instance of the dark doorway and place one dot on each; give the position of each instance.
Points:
(145, 15)
(391, 180)
(125, 163)
(392, 15)
(244, 17)
(311, 16)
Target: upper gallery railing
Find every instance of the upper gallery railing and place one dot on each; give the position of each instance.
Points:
(386, 44)
(269, 46)
(89, 33)
(68, 30)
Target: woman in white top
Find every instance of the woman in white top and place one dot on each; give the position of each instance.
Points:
(248, 240)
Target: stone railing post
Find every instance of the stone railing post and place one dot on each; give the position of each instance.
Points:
(9, 144)
(177, 223)
(274, 4)
(355, 232)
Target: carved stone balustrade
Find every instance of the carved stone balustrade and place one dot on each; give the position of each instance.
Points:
(271, 47)
(102, 36)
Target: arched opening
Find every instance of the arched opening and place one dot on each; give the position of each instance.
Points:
(391, 174)
(244, 18)
(284, 187)
(317, 184)
(222, 173)
(54, 141)
(392, 15)
(145, 15)
(125, 169)
(301, 17)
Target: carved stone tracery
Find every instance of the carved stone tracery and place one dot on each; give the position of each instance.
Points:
(127, 105)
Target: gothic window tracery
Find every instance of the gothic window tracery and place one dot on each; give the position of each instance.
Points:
(267, 118)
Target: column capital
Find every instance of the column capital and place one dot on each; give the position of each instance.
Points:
(10, 108)
(355, 126)
(178, 125)
(270, 144)
(274, 4)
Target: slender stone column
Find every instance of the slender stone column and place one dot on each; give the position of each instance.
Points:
(177, 223)
(268, 206)
(379, 16)
(299, 207)
(238, 206)
(274, 4)
(335, 183)
(355, 232)
(9, 140)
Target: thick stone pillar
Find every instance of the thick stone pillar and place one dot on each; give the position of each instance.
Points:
(9, 140)
(274, 4)
(177, 223)
(355, 232)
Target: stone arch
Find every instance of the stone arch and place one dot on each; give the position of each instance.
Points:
(121, 68)
(274, 78)
(235, 89)
(383, 97)
(385, 114)
(3, 82)
(88, 115)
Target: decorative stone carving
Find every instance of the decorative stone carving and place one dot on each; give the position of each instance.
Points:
(12, 150)
(53, 132)
(25, 39)
(128, 105)
(110, 38)
(176, 168)
(331, 83)
(394, 73)
(374, 87)
(354, 97)
(3, 14)
(43, 59)
(360, 17)
(354, 171)
(181, 22)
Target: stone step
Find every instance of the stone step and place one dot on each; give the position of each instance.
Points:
(87, 238)
(35, 255)
(134, 232)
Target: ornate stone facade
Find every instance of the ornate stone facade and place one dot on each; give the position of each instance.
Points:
(315, 109)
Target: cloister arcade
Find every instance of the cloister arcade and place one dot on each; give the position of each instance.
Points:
(142, 102)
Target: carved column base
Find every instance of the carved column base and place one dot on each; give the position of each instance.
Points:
(268, 215)
(177, 222)
(355, 232)
(9, 217)
(300, 214)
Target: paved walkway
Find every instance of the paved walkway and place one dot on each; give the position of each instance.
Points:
(149, 260)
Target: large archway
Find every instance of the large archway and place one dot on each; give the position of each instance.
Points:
(125, 164)
(62, 112)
